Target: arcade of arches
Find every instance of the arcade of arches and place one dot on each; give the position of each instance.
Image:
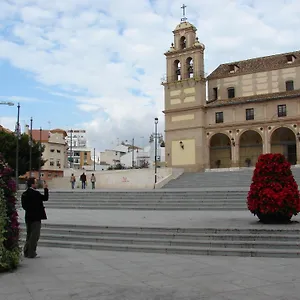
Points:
(225, 152)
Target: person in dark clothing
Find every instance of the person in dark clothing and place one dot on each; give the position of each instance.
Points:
(83, 180)
(32, 203)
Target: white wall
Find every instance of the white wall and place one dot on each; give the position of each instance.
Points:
(117, 179)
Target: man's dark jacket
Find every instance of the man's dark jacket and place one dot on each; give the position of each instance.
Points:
(32, 203)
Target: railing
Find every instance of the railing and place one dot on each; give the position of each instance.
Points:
(178, 78)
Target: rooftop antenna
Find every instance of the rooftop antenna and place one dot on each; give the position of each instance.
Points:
(184, 18)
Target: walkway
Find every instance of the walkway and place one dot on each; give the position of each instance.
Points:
(69, 274)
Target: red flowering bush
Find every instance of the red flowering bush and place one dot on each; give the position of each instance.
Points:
(273, 192)
(9, 225)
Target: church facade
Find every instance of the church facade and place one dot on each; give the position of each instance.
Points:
(228, 118)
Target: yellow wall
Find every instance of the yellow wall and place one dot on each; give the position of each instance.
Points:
(184, 156)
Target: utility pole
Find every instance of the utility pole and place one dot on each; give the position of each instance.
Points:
(71, 149)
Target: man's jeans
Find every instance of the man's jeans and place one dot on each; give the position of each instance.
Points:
(83, 184)
(33, 231)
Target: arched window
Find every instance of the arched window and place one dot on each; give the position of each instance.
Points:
(177, 70)
(182, 42)
(190, 67)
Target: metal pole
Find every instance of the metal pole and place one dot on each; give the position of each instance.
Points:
(94, 159)
(133, 153)
(40, 149)
(155, 154)
(30, 148)
(17, 146)
(71, 149)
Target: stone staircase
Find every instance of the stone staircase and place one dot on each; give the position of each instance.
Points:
(219, 178)
(189, 241)
(150, 200)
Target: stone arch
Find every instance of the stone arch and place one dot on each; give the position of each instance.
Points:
(250, 147)
(189, 67)
(283, 140)
(177, 70)
(220, 151)
(182, 42)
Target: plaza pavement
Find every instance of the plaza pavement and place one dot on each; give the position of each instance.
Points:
(177, 219)
(69, 274)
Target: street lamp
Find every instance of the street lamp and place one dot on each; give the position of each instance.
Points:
(7, 103)
(30, 148)
(155, 153)
(94, 159)
(17, 132)
(40, 148)
(71, 149)
(132, 153)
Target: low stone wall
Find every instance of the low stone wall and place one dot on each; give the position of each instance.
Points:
(120, 179)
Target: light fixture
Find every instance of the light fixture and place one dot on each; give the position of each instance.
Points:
(181, 145)
(233, 142)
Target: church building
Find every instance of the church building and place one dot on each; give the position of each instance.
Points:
(228, 118)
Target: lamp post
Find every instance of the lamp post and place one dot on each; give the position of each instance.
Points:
(30, 148)
(94, 159)
(155, 151)
(17, 146)
(40, 149)
(132, 153)
(71, 149)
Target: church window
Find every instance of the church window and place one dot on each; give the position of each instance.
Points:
(289, 85)
(219, 117)
(231, 92)
(215, 93)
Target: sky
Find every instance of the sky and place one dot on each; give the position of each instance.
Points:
(97, 64)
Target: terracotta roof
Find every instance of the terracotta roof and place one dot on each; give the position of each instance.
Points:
(5, 129)
(254, 98)
(254, 65)
(36, 135)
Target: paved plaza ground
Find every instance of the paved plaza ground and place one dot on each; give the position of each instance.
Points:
(177, 219)
(65, 274)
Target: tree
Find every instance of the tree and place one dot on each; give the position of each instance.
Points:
(273, 195)
(8, 142)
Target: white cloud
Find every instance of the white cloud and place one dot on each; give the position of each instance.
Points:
(8, 122)
(77, 46)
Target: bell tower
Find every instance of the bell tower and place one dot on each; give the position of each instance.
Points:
(185, 99)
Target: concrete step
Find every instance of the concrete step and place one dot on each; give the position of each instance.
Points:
(175, 242)
(216, 251)
(170, 208)
(275, 242)
(169, 235)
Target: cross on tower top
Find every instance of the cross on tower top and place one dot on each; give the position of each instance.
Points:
(183, 7)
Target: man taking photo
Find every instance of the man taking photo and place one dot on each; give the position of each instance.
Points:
(32, 203)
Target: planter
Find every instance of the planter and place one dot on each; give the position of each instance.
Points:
(274, 218)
